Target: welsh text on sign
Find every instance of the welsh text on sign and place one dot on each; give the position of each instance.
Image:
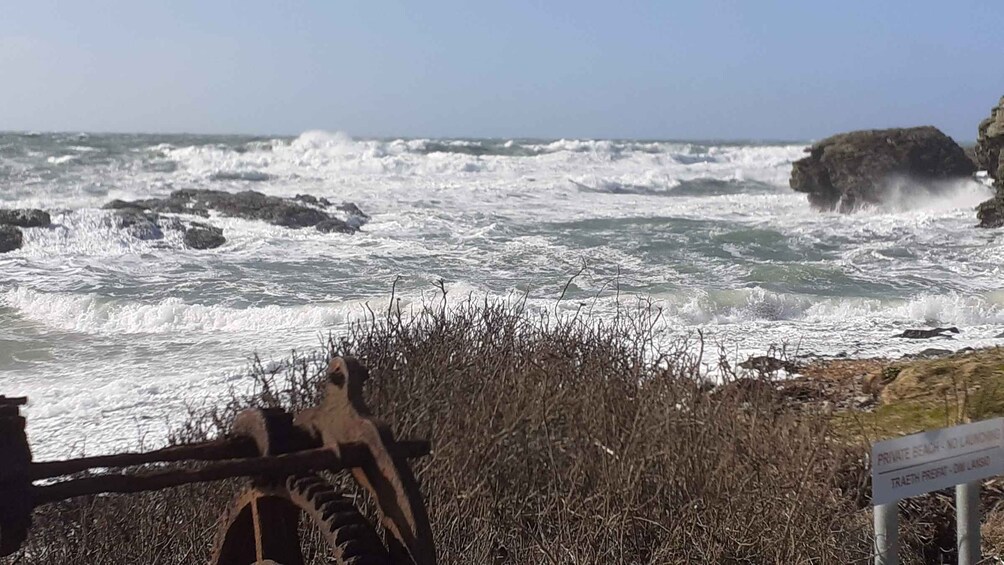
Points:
(919, 463)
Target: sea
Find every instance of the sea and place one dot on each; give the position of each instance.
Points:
(113, 338)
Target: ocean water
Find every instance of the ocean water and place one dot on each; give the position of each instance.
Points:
(111, 337)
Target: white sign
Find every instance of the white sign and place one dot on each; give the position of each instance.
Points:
(919, 463)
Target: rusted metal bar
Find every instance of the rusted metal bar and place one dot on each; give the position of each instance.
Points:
(280, 465)
(217, 450)
(353, 455)
(209, 451)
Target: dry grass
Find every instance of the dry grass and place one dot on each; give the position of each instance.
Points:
(555, 441)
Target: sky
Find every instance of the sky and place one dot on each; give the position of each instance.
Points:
(713, 69)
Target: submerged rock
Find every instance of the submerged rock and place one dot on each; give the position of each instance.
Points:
(204, 236)
(844, 171)
(138, 223)
(11, 238)
(928, 334)
(334, 225)
(356, 217)
(25, 218)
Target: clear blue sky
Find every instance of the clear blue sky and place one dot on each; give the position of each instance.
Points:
(695, 69)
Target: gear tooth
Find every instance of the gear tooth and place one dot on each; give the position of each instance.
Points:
(315, 489)
(343, 519)
(354, 548)
(351, 532)
(325, 497)
(351, 538)
(300, 483)
(333, 507)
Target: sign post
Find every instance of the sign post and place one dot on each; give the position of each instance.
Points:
(959, 456)
(886, 530)
(967, 520)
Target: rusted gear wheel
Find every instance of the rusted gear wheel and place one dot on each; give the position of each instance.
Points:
(263, 525)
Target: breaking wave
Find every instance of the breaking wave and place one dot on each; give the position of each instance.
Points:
(92, 314)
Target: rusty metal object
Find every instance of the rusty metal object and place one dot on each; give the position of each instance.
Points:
(15, 456)
(346, 532)
(279, 453)
(343, 418)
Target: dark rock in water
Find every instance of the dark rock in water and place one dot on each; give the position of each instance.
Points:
(249, 205)
(989, 145)
(139, 224)
(927, 334)
(990, 213)
(352, 209)
(161, 205)
(299, 212)
(307, 199)
(334, 225)
(120, 204)
(204, 236)
(848, 170)
(25, 218)
(356, 217)
(767, 364)
(11, 238)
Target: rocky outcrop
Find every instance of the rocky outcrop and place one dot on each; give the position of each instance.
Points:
(989, 145)
(848, 170)
(11, 238)
(300, 212)
(990, 213)
(990, 141)
(204, 236)
(141, 224)
(25, 218)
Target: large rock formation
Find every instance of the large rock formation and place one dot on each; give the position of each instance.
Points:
(989, 143)
(844, 171)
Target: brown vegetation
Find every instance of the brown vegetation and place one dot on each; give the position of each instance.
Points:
(554, 441)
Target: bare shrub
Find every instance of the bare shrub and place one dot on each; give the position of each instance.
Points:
(555, 441)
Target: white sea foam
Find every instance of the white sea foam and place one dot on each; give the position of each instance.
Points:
(710, 231)
(91, 314)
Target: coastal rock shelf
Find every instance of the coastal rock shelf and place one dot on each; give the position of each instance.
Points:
(144, 219)
(848, 170)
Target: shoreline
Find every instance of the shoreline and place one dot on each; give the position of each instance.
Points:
(869, 399)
